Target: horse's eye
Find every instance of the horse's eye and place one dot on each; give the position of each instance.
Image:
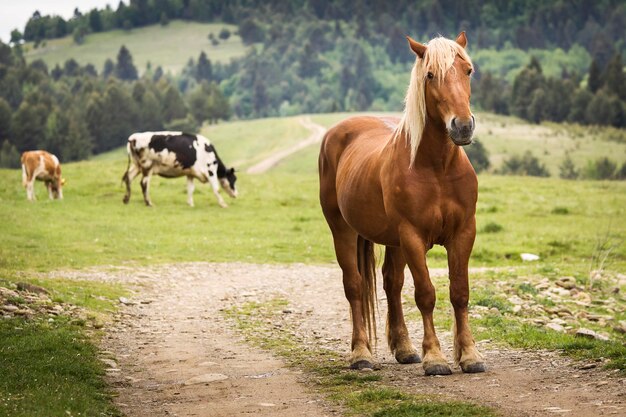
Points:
(469, 71)
(430, 75)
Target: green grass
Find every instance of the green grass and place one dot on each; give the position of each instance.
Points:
(245, 143)
(357, 393)
(521, 335)
(277, 218)
(50, 369)
(169, 46)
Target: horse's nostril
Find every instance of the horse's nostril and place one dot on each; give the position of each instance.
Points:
(453, 123)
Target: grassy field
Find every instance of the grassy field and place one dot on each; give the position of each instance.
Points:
(277, 217)
(169, 46)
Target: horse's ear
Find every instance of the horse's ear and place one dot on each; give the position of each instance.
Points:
(462, 39)
(417, 47)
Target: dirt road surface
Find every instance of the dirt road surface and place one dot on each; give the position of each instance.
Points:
(317, 133)
(176, 355)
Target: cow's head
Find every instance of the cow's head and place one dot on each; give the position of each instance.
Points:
(228, 182)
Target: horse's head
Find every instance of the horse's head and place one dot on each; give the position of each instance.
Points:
(445, 69)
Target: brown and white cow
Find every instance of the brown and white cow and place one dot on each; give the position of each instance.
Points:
(42, 166)
(177, 154)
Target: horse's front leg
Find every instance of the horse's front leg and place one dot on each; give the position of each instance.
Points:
(465, 352)
(397, 333)
(414, 250)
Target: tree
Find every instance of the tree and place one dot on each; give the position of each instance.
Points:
(5, 119)
(108, 69)
(29, 126)
(79, 34)
(250, 31)
(224, 34)
(204, 69)
(16, 37)
(527, 81)
(95, 20)
(605, 109)
(615, 80)
(594, 82)
(578, 109)
(9, 156)
(173, 105)
(71, 68)
(124, 68)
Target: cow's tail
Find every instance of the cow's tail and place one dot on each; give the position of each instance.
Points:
(367, 269)
(24, 175)
(129, 150)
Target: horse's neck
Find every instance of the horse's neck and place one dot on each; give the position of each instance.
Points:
(436, 150)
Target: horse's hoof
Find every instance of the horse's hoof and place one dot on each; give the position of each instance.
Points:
(362, 364)
(474, 368)
(410, 358)
(437, 369)
(125, 200)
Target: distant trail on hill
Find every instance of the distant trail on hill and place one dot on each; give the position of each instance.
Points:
(317, 132)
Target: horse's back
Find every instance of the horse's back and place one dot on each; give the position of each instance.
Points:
(365, 133)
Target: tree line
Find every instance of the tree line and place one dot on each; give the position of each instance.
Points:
(597, 99)
(594, 24)
(73, 112)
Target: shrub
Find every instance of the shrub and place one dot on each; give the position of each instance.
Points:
(478, 156)
(567, 169)
(224, 34)
(491, 227)
(560, 210)
(527, 164)
(601, 169)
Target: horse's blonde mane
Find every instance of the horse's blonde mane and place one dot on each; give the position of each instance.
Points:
(438, 59)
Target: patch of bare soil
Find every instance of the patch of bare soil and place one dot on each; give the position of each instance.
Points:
(177, 355)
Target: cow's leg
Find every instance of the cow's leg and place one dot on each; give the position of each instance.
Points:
(30, 190)
(49, 187)
(128, 177)
(190, 188)
(414, 251)
(60, 190)
(215, 186)
(397, 333)
(465, 352)
(145, 187)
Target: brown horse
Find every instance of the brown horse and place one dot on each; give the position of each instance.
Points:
(407, 184)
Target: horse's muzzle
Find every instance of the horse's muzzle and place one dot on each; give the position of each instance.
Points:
(461, 131)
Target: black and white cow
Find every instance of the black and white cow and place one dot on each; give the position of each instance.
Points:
(174, 154)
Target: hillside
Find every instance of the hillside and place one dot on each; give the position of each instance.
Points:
(243, 143)
(169, 46)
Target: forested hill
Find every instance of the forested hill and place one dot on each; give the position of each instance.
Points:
(597, 25)
(555, 60)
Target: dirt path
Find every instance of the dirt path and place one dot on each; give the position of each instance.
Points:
(177, 356)
(317, 132)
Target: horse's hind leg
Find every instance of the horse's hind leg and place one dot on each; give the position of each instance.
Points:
(465, 352)
(397, 333)
(345, 240)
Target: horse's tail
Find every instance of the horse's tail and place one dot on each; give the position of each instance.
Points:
(367, 268)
